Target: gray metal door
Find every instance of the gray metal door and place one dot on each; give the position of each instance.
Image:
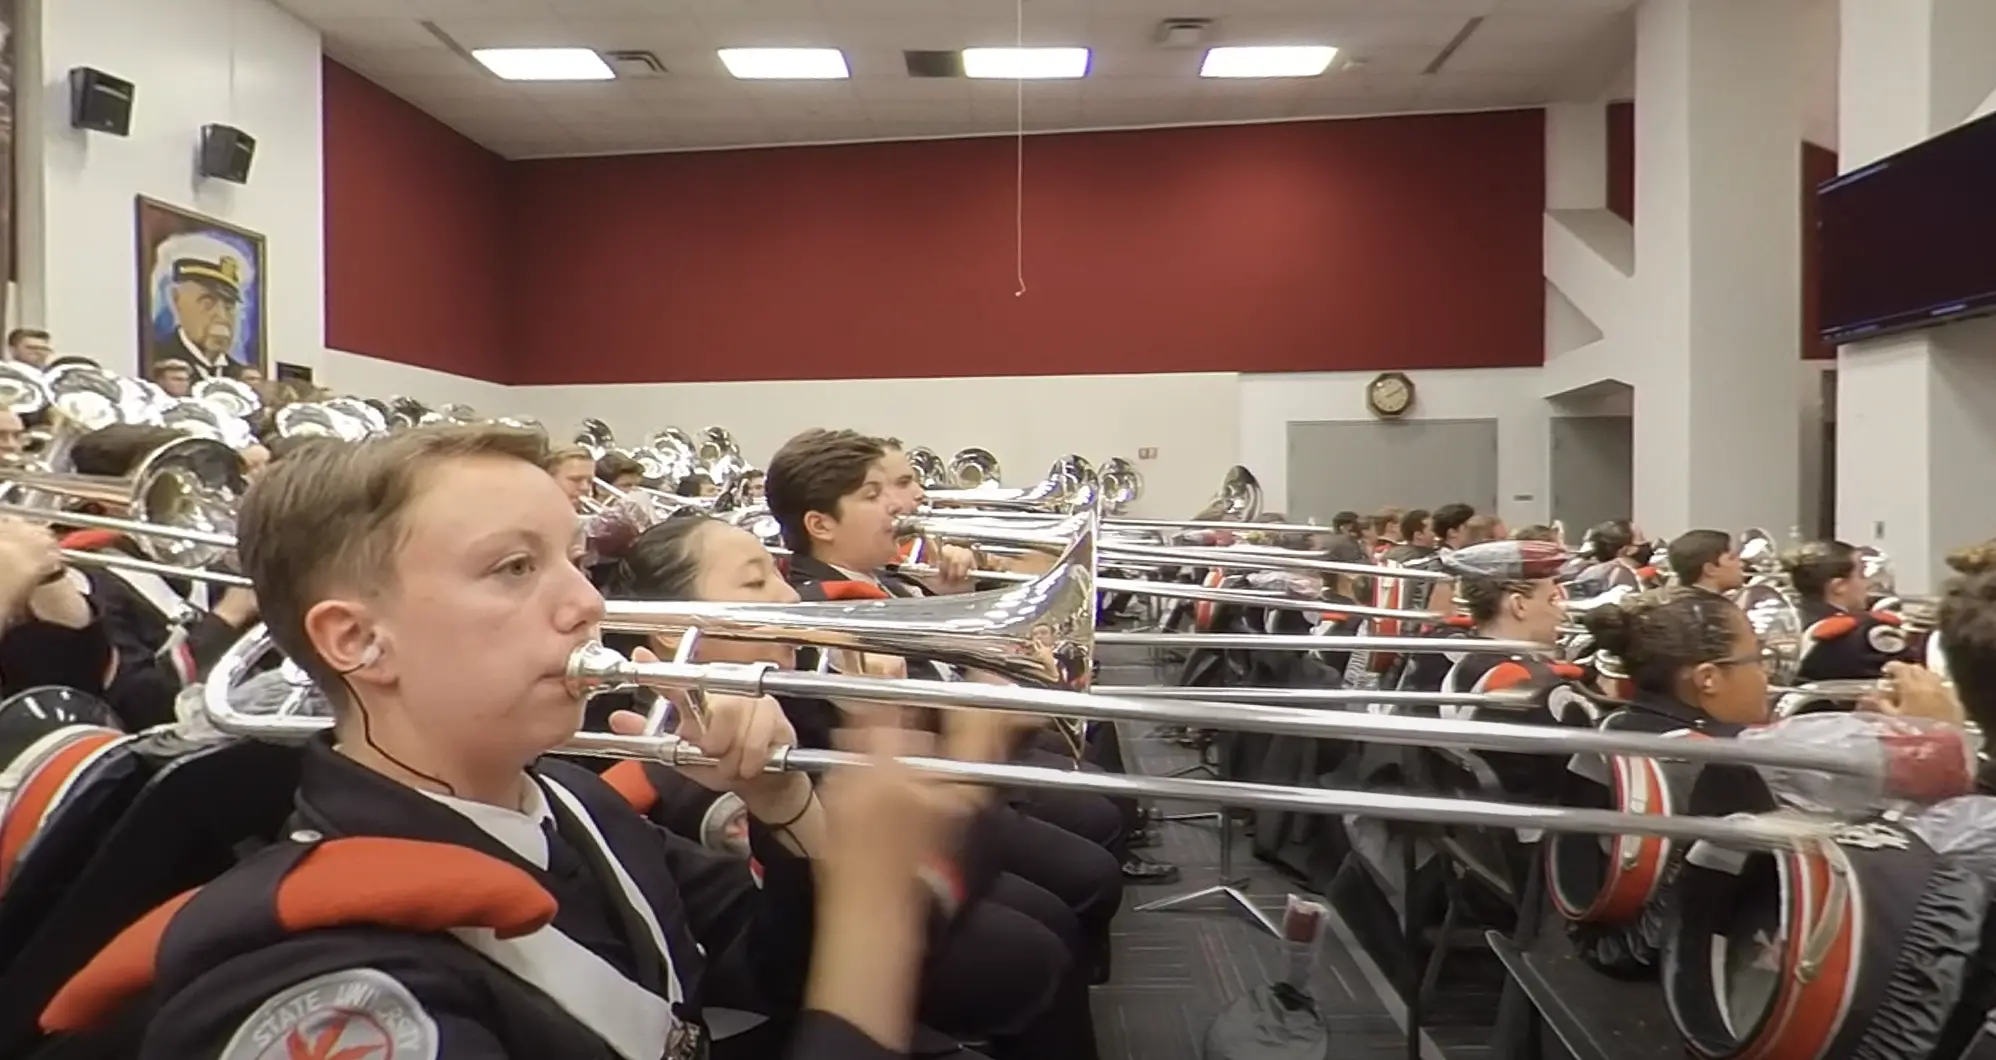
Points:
(1593, 470)
(1363, 466)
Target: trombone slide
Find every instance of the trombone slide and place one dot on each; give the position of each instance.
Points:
(1769, 832)
(595, 668)
(1778, 832)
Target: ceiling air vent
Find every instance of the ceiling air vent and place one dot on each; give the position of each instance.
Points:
(1183, 32)
(934, 64)
(634, 64)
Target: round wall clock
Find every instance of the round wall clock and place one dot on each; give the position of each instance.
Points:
(1390, 395)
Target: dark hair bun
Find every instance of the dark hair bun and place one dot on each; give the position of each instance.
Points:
(1612, 626)
(1975, 559)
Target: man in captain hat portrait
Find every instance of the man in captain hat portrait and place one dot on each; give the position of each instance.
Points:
(197, 316)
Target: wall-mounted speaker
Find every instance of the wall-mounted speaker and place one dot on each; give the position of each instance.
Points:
(100, 102)
(226, 152)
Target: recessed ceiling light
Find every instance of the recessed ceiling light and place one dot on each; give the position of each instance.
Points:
(1025, 64)
(1307, 60)
(786, 64)
(545, 64)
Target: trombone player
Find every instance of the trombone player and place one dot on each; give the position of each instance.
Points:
(427, 582)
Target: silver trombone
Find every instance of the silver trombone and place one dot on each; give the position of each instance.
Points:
(182, 497)
(1042, 631)
(594, 667)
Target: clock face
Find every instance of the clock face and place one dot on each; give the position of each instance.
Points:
(1390, 394)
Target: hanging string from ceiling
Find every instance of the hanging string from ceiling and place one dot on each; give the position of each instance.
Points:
(1019, 153)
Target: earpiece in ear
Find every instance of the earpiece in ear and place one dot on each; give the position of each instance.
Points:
(372, 655)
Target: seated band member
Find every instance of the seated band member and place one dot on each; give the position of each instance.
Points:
(1482, 528)
(1706, 559)
(49, 632)
(1966, 631)
(1508, 593)
(164, 632)
(1844, 640)
(828, 492)
(954, 562)
(1450, 525)
(620, 471)
(439, 894)
(1013, 970)
(1694, 664)
(575, 472)
(1614, 554)
(902, 495)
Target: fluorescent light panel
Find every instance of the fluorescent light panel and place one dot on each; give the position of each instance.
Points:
(1306, 60)
(1025, 64)
(545, 64)
(786, 64)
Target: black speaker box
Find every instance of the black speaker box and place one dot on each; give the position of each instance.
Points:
(100, 102)
(226, 152)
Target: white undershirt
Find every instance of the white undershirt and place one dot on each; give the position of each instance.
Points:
(519, 830)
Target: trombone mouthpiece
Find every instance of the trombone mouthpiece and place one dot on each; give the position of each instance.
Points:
(592, 666)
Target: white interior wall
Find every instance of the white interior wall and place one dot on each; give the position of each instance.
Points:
(1269, 403)
(245, 63)
(1028, 422)
(352, 373)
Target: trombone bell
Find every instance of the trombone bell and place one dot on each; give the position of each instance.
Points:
(1041, 632)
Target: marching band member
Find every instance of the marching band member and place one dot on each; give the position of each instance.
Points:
(13, 435)
(1012, 970)
(1844, 640)
(1450, 525)
(440, 893)
(620, 471)
(1481, 528)
(574, 470)
(1416, 540)
(49, 632)
(160, 637)
(828, 492)
(1508, 592)
(1694, 664)
(1705, 559)
(1616, 555)
(1967, 633)
(955, 562)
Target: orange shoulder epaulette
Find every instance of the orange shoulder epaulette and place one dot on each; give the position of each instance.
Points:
(405, 884)
(90, 540)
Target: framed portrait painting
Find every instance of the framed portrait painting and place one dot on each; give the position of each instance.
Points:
(201, 293)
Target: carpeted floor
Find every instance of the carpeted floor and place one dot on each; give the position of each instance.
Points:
(1175, 970)
(1178, 969)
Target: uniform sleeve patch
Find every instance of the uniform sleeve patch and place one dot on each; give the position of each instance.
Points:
(1886, 640)
(356, 1014)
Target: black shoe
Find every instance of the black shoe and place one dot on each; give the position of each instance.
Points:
(1138, 869)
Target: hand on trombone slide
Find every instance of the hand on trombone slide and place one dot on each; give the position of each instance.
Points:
(744, 735)
(1913, 691)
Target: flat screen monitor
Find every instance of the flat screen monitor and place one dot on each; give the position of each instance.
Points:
(1910, 240)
